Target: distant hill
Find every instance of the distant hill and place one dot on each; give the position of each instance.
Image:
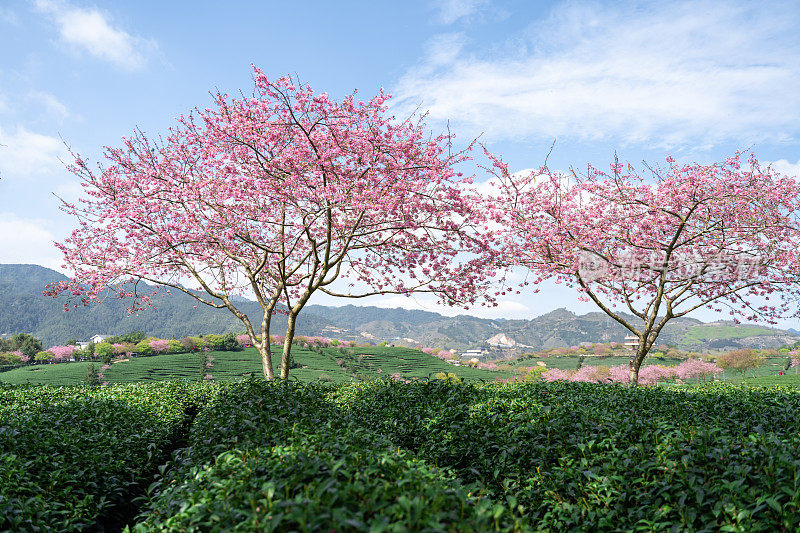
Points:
(24, 308)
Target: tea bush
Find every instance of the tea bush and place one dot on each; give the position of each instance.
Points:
(391, 456)
(72, 458)
(580, 456)
(279, 457)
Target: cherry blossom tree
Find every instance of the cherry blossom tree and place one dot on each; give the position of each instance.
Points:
(648, 374)
(741, 360)
(243, 340)
(277, 196)
(657, 245)
(63, 353)
(159, 345)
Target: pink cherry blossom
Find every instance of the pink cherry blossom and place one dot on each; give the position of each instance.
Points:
(159, 345)
(277, 195)
(244, 340)
(555, 374)
(692, 368)
(658, 245)
(62, 353)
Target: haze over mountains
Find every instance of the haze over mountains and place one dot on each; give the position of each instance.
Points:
(23, 308)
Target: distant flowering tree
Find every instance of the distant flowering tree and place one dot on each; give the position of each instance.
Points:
(648, 375)
(317, 341)
(721, 236)
(277, 195)
(63, 353)
(556, 374)
(159, 345)
(277, 339)
(244, 340)
(619, 374)
(692, 368)
(124, 348)
(741, 360)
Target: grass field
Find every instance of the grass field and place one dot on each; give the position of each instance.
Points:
(705, 333)
(331, 365)
(787, 380)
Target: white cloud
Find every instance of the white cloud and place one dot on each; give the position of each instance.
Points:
(7, 15)
(785, 167)
(70, 191)
(91, 30)
(444, 48)
(48, 104)
(26, 240)
(26, 153)
(451, 11)
(672, 73)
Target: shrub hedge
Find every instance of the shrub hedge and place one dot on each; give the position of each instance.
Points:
(278, 457)
(390, 456)
(580, 456)
(73, 458)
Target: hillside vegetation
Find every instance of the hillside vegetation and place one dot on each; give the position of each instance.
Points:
(23, 308)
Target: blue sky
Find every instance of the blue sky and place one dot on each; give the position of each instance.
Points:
(694, 79)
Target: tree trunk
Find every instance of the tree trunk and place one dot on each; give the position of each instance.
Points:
(266, 360)
(266, 350)
(634, 375)
(636, 363)
(287, 346)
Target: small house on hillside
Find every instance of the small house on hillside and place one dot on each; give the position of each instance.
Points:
(631, 342)
(477, 353)
(96, 339)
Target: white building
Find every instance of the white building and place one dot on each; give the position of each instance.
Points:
(631, 342)
(96, 339)
(475, 352)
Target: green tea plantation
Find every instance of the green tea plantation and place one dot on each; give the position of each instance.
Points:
(332, 365)
(385, 455)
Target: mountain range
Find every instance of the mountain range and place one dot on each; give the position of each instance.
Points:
(23, 308)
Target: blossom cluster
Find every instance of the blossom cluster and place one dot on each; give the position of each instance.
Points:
(63, 353)
(124, 348)
(642, 267)
(244, 340)
(648, 374)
